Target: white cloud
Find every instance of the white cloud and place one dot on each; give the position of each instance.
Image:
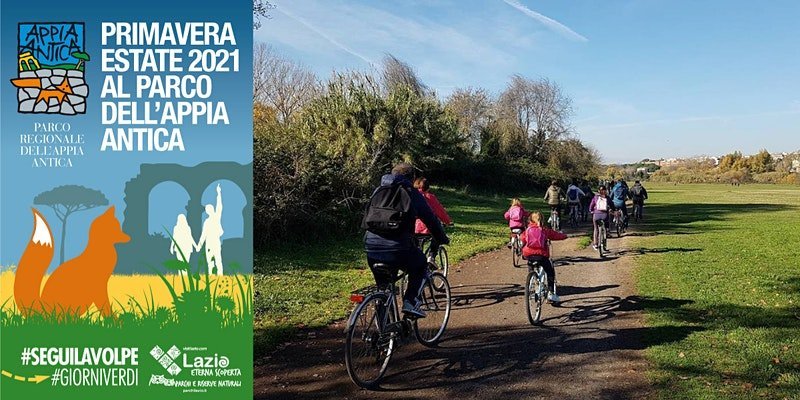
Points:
(444, 55)
(547, 21)
(324, 35)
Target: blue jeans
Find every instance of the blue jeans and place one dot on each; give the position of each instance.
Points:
(412, 261)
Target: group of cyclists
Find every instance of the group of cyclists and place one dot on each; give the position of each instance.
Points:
(610, 197)
(403, 209)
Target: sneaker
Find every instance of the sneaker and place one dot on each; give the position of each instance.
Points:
(431, 260)
(508, 245)
(553, 298)
(413, 310)
(594, 246)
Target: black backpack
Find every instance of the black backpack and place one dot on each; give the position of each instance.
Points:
(389, 210)
(637, 192)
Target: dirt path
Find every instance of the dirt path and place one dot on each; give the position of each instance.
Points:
(589, 347)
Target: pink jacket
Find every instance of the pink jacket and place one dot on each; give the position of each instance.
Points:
(535, 240)
(438, 211)
(516, 217)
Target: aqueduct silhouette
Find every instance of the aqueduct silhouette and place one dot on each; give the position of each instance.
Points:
(146, 251)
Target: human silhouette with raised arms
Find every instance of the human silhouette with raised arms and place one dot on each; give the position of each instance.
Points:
(212, 235)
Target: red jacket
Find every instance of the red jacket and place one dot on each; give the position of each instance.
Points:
(438, 211)
(535, 240)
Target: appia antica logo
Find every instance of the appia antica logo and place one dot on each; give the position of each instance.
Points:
(50, 68)
(167, 359)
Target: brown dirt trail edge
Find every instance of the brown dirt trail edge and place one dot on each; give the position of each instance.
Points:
(587, 347)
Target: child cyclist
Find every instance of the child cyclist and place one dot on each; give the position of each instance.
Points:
(599, 208)
(536, 250)
(515, 216)
(421, 184)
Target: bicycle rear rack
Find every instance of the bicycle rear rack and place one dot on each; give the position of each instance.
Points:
(358, 295)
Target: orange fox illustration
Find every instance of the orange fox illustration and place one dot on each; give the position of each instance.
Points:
(77, 283)
(59, 93)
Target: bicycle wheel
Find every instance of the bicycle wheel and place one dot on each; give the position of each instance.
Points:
(534, 297)
(368, 349)
(601, 239)
(436, 303)
(619, 228)
(442, 261)
(516, 253)
(443, 264)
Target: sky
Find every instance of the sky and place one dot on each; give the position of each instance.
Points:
(648, 78)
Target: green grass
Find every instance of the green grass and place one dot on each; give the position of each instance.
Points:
(722, 289)
(204, 314)
(308, 285)
(584, 242)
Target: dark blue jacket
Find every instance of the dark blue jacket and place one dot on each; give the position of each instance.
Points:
(619, 200)
(403, 241)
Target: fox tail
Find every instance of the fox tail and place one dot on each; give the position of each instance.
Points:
(32, 266)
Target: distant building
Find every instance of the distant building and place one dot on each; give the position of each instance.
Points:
(795, 166)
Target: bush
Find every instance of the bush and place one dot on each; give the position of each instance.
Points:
(770, 177)
(791, 179)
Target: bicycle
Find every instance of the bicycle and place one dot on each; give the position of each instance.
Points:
(536, 291)
(574, 215)
(619, 223)
(602, 237)
(440, 259)
(516, 247)
(554, 221)
(375, 329)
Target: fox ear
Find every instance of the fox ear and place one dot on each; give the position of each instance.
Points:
(110, 210)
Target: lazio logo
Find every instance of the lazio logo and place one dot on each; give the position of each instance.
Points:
(51, 64)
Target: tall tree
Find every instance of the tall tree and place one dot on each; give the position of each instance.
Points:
(397, 73)
(471, 108)
(69, 199)
(536, 112)
(261, 9)
(761, 162)
(282, 84)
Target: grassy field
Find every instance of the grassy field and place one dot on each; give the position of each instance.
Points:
(721, 285)
(302, 285)
(125, 291)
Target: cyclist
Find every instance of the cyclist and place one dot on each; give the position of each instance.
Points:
(619, 194)
(420, 229)
(600, 207)
(574, 196)
(536, 249)
(389, 220)
(585, 200)
(553, 196)
(638, 194)
(515, 216)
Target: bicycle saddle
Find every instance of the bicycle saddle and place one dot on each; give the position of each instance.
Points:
(388, 272)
